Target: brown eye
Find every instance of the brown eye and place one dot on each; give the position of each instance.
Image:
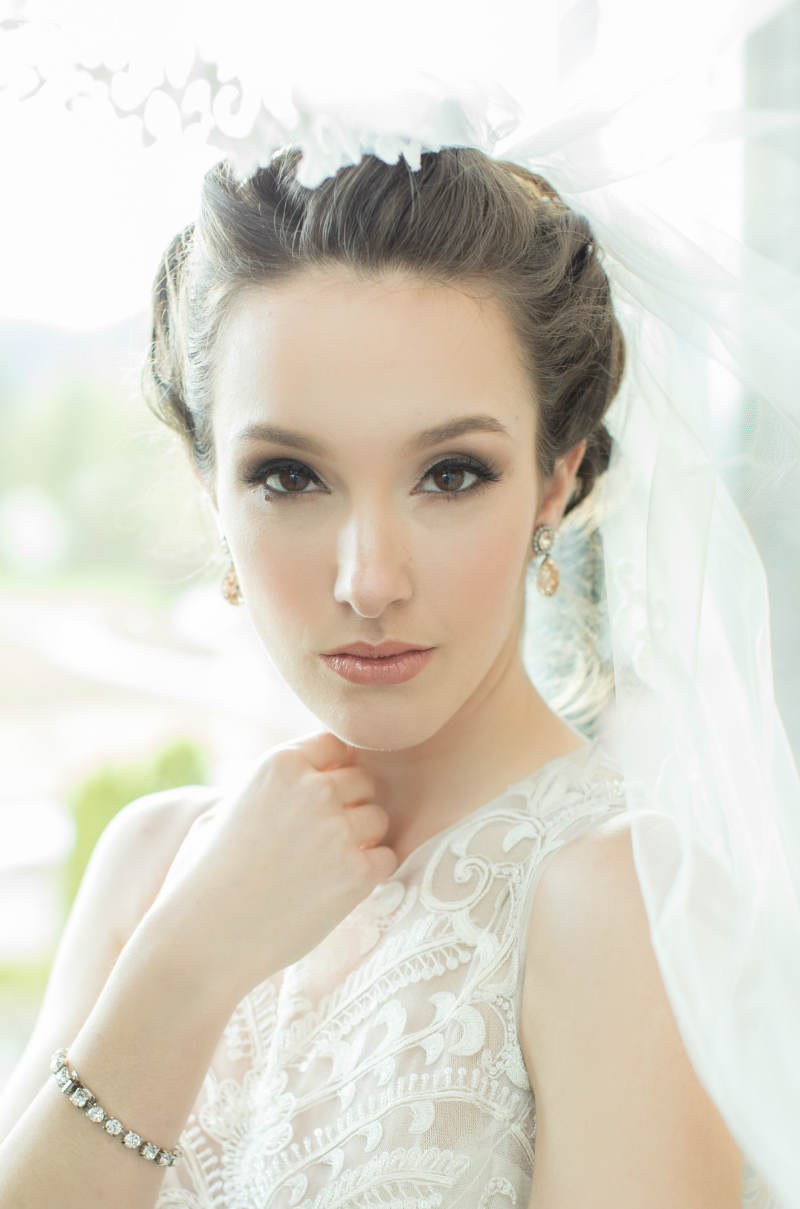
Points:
(292, 478)
(449, 477)
(287, 479)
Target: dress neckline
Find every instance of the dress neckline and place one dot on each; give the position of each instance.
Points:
(533, 776)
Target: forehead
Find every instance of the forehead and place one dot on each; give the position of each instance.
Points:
(392, 348)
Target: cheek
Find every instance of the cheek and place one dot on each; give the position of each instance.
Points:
(282, 577)
(489, 571)
(472, 571)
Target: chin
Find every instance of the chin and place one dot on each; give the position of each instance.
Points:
(395, 727)
(375, 718)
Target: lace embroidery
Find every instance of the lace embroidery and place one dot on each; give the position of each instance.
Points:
(384, 1067)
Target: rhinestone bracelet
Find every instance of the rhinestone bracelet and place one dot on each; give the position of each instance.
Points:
(71, 1086)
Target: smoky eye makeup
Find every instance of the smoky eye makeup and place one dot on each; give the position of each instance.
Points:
(453, 467)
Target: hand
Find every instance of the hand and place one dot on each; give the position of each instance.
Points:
(264, 875)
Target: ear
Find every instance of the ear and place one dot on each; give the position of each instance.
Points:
(560, 486)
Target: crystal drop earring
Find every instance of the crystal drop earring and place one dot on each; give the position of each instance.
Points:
(548, 579)
(230, 585)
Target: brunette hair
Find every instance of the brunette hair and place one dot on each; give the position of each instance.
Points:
(462, 218)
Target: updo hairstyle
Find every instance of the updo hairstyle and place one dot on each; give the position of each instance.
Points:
(462, 219)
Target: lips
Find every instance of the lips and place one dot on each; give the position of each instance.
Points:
(381, 651)
(380, 671)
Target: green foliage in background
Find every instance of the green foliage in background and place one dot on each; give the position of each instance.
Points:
(94, 801)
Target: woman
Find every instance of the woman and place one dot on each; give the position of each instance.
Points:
(411, 945)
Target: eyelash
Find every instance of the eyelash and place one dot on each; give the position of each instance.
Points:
(485, 473)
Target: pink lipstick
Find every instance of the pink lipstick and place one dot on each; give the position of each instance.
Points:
(386, 669)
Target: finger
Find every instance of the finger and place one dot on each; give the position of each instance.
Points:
(353, 785)
(382, 862)
(324, 750)
(368, 823)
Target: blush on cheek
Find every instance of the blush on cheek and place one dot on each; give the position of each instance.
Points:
(287, 587)
(279, 583)
(484, 586)
(495, 565)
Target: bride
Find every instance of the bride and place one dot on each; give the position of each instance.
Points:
(407, 962)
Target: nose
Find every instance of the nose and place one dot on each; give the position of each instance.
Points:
(372, 565)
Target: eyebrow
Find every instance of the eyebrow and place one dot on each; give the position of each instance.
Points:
(422, 440)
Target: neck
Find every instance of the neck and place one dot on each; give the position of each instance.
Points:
(505, 731)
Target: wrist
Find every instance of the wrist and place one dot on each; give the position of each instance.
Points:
(148, 1042)
(185, 966)
(70, 1085)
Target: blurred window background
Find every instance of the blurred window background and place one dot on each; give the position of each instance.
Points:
(123, 669)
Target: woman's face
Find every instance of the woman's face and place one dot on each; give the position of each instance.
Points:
(378, 532)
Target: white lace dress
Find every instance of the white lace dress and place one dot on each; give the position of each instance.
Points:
(384, 1067)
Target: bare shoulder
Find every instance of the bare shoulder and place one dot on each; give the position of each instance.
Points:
(123, 876)
(591, 876)
(612, 1079)
(157, 822)
(155, 815)
(145, 835)
(587, 916)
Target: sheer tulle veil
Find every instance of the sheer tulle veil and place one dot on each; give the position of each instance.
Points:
(664, 566)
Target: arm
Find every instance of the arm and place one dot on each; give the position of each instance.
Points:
(622, 1119)
(121, 880)
(298, 842)
(137, 1033)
